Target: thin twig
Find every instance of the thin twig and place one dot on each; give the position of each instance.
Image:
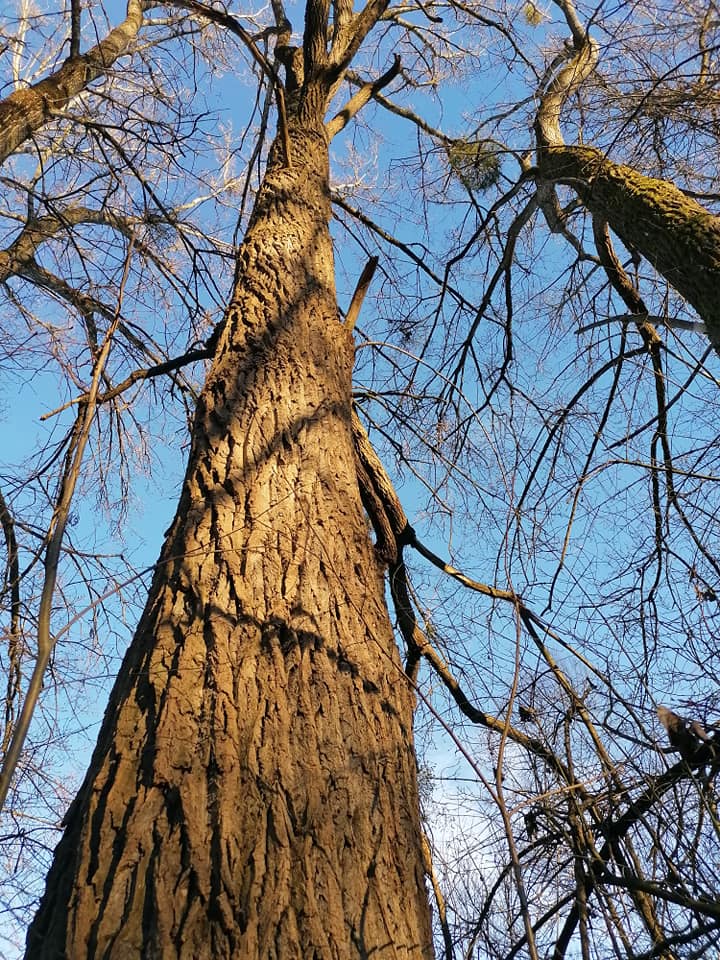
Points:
(230, 23)
(56, 533)
(137, 376)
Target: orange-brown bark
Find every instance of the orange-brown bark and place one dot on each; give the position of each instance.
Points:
(253, 791)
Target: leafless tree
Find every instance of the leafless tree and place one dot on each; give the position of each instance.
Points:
(536, 349)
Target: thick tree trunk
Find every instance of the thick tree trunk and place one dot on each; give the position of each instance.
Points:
(680, 238)
(253, 791)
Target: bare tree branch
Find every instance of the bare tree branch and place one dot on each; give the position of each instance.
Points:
(27, 110)
(366, 93)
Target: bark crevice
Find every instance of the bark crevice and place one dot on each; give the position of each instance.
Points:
(257, 750)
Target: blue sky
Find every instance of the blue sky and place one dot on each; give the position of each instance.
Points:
(473, 509)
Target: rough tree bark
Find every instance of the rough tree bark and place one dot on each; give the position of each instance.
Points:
(679, 237)
(253, 791)
(28, 109)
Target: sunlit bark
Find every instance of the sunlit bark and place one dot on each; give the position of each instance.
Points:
(678, 236)
(28, 109)
(253, 791)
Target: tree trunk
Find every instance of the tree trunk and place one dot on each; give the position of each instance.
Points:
(253, 791)
(680, 238)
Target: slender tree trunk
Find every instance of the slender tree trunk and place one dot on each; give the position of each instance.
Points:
(678, 236)
(253, 791)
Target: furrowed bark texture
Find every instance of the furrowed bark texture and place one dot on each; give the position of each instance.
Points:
(253, 791)
(678, 236)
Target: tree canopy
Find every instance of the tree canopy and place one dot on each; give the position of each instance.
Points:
(527, 254)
